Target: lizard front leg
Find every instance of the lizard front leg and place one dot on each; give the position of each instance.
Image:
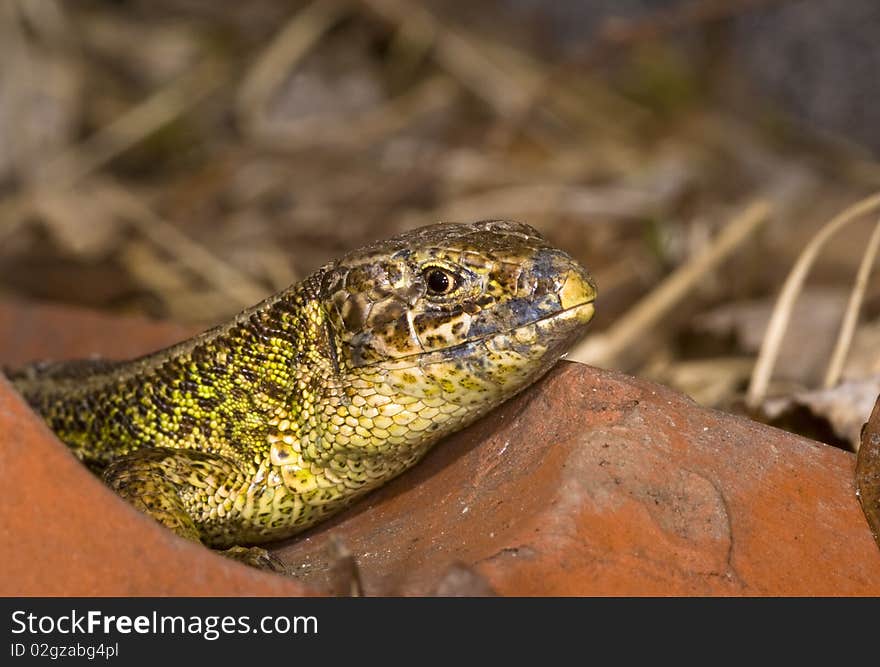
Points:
(184, 490)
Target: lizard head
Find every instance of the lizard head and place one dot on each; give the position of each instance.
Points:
(445, 322)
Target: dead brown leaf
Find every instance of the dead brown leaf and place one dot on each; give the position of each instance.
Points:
(844, 409)
(808, 341)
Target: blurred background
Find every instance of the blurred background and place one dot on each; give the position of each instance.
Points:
(183, 159)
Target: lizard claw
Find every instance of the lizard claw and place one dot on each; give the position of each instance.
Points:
(256, 557)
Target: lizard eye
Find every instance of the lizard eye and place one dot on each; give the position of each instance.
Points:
(439, 282)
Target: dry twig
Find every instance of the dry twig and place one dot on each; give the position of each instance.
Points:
(605, 349)
(226, 278)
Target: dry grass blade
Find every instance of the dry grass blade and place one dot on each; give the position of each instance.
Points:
(581, 99)
(293, 42)
(358, 131)
(39, 87)
(620, 33)
(652, 191)
(605, 349)
(462, 58)
(710, 382)
(848, 326)
(790, 290)
(275, 63)
(13, 214)
(238, 287)
(132, 126)
(45, 16)
(511, 82)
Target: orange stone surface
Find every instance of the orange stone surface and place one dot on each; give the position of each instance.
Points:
(589, 483)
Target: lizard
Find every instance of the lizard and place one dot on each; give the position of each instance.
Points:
(261, 427)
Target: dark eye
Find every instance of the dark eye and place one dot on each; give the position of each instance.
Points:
(439, 281)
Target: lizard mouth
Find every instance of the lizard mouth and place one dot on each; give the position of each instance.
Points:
(554, 331)
(570, 317)
(582, 312)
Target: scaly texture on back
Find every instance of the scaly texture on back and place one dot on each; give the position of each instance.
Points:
(259, 428)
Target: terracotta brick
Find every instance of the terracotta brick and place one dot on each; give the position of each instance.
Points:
(595, 483)
(62, 532)
(590, 483)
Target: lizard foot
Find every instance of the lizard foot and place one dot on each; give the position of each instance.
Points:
(256, 557)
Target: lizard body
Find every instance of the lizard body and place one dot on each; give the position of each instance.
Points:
(259, 428)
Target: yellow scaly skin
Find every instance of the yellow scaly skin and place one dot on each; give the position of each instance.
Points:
(258, 429)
